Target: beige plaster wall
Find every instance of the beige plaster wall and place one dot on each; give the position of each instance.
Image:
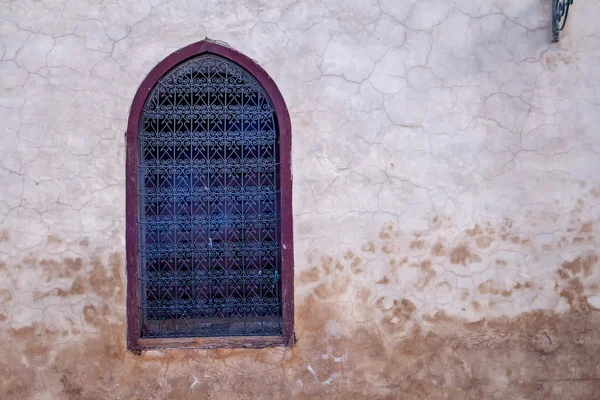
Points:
(446, 198)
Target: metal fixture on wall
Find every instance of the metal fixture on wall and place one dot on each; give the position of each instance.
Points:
(560, 12)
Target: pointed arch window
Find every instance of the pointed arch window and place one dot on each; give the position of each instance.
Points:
(209, 219)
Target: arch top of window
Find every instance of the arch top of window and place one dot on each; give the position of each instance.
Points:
(209, 47)
(240, 72)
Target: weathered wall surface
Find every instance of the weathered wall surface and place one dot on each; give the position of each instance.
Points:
(446, 204)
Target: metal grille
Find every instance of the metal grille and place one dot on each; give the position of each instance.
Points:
(209, 195)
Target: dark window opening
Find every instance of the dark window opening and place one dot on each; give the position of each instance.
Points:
(209, 226)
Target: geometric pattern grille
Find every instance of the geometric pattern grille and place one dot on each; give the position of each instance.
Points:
(209, 220)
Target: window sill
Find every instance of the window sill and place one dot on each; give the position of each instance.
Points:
(248, 342)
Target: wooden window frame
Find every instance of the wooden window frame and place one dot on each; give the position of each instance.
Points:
(134, 341)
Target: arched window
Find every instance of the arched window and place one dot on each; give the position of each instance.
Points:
(209, 219)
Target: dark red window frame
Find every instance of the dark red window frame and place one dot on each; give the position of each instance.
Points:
(134, 341)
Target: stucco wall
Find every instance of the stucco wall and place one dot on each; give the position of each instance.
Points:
(446, 198)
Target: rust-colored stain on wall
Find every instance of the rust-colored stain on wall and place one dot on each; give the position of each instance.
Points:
(450, 359)
(355, 340)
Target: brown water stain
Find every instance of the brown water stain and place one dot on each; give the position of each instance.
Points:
(331, 275)
(309, 276)
(368, 247)
(383, 235)
(77, 288)
(95, 317)
(388, 248)
(393, 356)
(428, 273)
(464, 294)
(91, 277)
(354, 265)
(489, 287)
(483, 242)
(587, 227)
(518, 241)
(106, 281)
(397, 316)
(476, 230)
(569, 284)
(452, 359)
(581, 264)
(438, 249)
(326, 264)
(417, 244)
(573, 293)
(363, 295)
(5, 296)
(462, 255)
(438, 317)
(53, 269)
(52, 239)
(387, 232)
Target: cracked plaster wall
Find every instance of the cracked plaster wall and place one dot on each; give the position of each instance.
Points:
(446, 198)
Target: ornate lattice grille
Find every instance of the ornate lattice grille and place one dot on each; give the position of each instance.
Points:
(209, 204)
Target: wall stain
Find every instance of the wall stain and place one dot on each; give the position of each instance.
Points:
(331, 275)
(452, 358)
(363, 295)
(77, 288)
(569, 284)
(490, 287)
(462, 255)
(464, 294)
(395, 316)
(53, 269)
(388, 248)
(105, 281)
(398, 349)
(5, 296)
(428, 273)
(518, 241)
(368, 247)
(53, 239)
(417, 244)
(309, 276)
(483, 242)
(586, 228)
(581, 264)
(388, 232)
(95, 317)
(438, 249)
